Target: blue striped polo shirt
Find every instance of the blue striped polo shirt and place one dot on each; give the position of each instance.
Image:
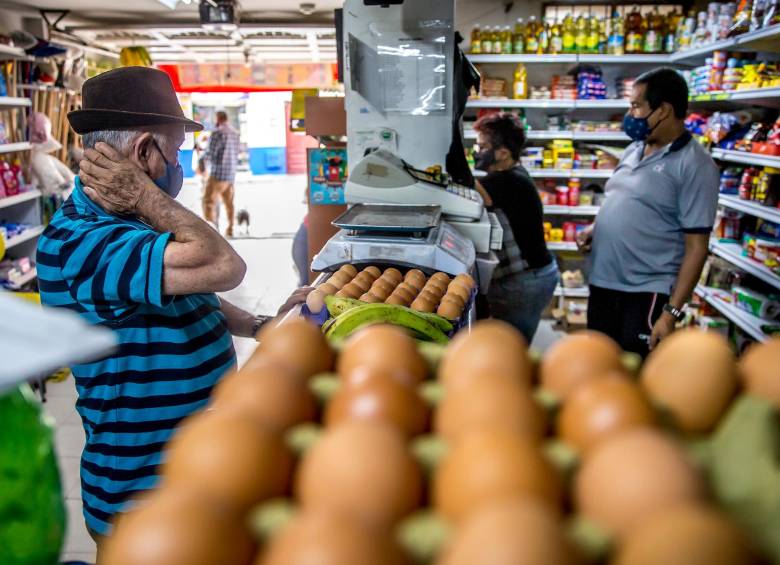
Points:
(172, 349)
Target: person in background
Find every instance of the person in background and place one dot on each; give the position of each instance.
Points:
(524, 282)
(221, 158)
(650, 239)
(300, 252)
(122, 253)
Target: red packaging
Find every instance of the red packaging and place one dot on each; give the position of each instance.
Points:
(9, 179)
(563, 195)
(570, 231)
(574, 195)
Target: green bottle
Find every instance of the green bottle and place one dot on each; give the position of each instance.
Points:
(518, 37)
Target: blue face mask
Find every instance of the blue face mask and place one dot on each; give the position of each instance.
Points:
(638, 129)
(173, 179)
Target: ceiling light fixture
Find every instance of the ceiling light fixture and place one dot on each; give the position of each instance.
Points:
(307, 8)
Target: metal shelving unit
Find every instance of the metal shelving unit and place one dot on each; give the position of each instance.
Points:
(14, 102)
(582, 292)
(721, 300)
(23, 237)
(732, 253)
(554, 210)
(27, 277)
(746, 158)
(562, 246)
(571, 58)
(19, 198)
(607, 104)
(571, 135)
(15, 147)
(749, 207)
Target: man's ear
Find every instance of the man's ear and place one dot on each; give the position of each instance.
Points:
(142, 150)
(502, 154)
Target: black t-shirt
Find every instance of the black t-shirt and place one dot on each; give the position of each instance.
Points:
(515, 194)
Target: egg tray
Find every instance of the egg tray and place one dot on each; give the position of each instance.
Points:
(320, 318)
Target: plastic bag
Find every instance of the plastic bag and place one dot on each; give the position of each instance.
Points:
(32, 514)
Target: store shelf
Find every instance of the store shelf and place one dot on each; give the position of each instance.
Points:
(608, 104)
(27, 277)
(26, 235)
(557, 134)
(562, 246)
(721, 300)
(571, 173)
(746, 158)
(769, 97)
(732, 253)
(701, 53)
(528, 58)
(631, 58)
(749, 207)
(525, 103)
(15, 147)
(19, 198)
(554, 210)
(14, 102)
(582, 292)
(8, 52)
(766, 39)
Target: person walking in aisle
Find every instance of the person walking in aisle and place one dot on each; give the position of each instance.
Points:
(122, 253)
(524, 282)
(221, 158)
(650, 239)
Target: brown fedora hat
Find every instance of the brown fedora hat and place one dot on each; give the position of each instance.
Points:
(129, 97)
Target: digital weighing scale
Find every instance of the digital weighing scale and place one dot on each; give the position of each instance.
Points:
(404, 236)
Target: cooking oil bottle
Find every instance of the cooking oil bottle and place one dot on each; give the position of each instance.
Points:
(487, 41)
(593, 35)
(520, 84)
(655, 33)
(634, 35)
(519, 37)
(556, 38)
(581, 39)
(507, 41)
(532, 35)
(673, 21)
(476, 40)
(544, 37)
(616, 44)
(569, 33)
(603, 37)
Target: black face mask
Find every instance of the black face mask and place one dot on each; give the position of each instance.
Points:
(484, 159)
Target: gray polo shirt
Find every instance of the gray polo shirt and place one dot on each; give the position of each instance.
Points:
(639, 241)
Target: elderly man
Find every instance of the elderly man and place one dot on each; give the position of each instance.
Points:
(124, 254)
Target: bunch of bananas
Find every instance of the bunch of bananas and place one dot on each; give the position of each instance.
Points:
(135, 57)
(349, 315)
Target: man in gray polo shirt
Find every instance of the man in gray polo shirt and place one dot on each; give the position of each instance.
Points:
(650, 239)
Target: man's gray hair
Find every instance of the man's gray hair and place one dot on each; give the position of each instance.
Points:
(118, 139)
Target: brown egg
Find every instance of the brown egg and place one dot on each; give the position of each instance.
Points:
(382, 284)
(396, 300)
(600, 408)
(405, 293)
(381, 398)
(379, 293)
(226, 455)
(434, 290)
(328, 289)
(384, 348)
(395, 274)
(466, 280)
(489, 401)
(349, 270)
(276, 398)
(522, 530)
(443, 278)
(454, 298)
(411, 289)
(321, 537)
(633, 475)
(370, 298)
(350, 290)
(450, 310)
(488, 466)
(174, 526)
(361, 283)
(416, 278)
(373, 271)
(578, 358)
(687, 534)
(362, 469)
(491, 346)
(297, 345)
(422, 304)
(692, 375)
(364, 373)
(430, 296)
(339, 279)
(460, 290)
(760, 370)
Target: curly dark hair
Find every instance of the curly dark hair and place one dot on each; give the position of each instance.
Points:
(503, 130)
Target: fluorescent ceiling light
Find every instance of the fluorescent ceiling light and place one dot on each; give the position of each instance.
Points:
(169, 3)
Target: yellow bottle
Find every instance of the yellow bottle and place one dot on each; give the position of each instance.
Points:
(507, 41)
(519, 37)
(593, 35)
(556, 39)
(476, 40)
(569, 33)
(498, 45)
(581, 39)
(487, 41)
(532, 35)
(603, 37)
(520, 84)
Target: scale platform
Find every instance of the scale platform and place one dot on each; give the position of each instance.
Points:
(404, 236)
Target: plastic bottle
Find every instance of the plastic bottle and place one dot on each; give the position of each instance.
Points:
(544, 37)
(519, 37)
(634, 36)
(654, 35)
(487, 41)
(556, 38)
(685, 32)
(569, 33)
(520, 84)
(498, 44)
(507, 41)
(602, 45)
(581, 38)
(593, 35)
(673, 21)
(532, 35)
(476, 40)
(616, 44)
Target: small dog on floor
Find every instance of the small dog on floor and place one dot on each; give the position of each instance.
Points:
(243, 220)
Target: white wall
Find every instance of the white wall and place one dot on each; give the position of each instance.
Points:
(11, 18)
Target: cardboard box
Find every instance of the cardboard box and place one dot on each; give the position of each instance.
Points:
(325, 116)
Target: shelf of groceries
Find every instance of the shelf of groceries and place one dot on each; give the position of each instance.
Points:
(747, 158)
(733, 253)
(532, 134)
(724, 302)
(561, 173)
(7, 201)
(579, 292)
(25, 235)
(18, 283)
(750, 207)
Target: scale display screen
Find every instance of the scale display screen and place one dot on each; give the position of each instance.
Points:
(454, 243)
